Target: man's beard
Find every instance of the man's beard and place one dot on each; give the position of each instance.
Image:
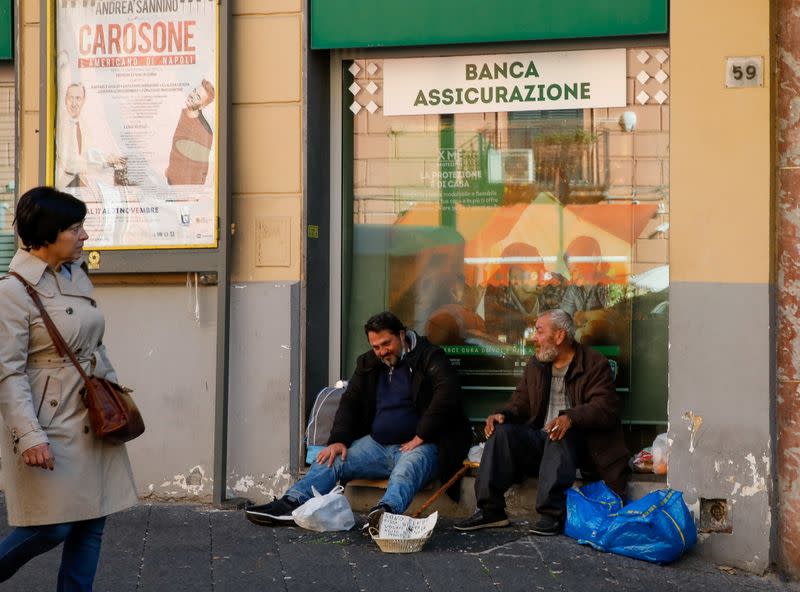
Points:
(547, 353)
(390, 361)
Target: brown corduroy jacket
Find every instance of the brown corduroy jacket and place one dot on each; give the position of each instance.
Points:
(594, 409)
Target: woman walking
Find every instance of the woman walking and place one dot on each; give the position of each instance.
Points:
(60, 480)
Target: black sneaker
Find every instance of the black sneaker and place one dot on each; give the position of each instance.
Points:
(484, 519)
(277, 512)
(547, 526)
(374, 518)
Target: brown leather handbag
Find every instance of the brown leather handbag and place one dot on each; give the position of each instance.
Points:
(112, 412)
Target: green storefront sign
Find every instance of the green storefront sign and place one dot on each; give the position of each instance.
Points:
(363, 23)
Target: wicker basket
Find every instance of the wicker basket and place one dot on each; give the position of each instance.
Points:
(398, 545)
(401, 545)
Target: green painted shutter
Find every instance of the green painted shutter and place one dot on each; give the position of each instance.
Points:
(367, 23)
(6, 30)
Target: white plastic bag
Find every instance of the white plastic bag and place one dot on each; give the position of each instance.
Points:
(325, 513)
(475, 453)
(660, 454)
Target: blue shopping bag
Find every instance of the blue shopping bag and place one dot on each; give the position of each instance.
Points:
(588, 511)
(657, 528)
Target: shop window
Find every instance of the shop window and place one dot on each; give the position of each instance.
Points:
(469, 225)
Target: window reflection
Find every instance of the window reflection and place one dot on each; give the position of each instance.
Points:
(518, 291)
(468, 226)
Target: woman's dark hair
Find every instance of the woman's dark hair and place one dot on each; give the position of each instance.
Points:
(384, 321)
(43, 212)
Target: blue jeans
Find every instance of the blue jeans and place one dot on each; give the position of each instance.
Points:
(366, 459)
(78, 559)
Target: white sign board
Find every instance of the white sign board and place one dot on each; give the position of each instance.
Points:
(505, 82)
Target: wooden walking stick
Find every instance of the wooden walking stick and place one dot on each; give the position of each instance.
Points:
(437, 494)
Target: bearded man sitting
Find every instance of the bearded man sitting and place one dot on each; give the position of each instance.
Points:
(564, 415)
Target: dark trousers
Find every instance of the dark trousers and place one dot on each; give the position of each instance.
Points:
(78, 559)
(517, 451)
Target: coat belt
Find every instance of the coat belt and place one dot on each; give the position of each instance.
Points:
(56, 362)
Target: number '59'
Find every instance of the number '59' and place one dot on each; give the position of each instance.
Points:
(749, 72)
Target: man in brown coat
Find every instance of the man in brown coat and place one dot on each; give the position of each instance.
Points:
(564, 415)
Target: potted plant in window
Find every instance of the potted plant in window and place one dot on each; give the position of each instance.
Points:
(564, 165)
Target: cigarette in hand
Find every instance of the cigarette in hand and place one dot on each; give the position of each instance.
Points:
(553, 429)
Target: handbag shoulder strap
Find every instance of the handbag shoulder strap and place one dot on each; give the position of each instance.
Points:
(58, 341)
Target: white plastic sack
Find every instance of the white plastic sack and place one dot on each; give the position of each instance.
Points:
(475, 453)
(660, 454)
(325, 513)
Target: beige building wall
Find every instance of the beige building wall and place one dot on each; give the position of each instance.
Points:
(267, 139)
(28, 48)
(267, 144)
(721, 145)
(721, 361)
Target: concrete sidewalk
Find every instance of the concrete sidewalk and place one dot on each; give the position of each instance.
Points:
(177, 547)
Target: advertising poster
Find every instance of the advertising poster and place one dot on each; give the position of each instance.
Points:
(136, 120)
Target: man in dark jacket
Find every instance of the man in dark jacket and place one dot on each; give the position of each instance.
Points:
(564, 415)
(400, 418)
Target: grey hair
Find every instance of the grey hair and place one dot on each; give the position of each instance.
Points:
(561, 320)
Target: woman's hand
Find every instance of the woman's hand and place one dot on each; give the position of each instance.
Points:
(39, 456)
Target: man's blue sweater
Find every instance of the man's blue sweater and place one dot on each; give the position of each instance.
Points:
(395, 415)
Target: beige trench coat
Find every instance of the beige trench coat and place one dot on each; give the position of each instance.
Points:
(40, 402)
